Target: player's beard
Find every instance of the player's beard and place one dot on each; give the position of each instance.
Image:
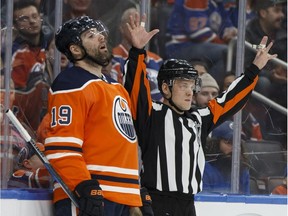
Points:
(100, 58)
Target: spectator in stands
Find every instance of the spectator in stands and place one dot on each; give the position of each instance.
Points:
(108, 11)
(209, 90)
(28, 63)
(200, 29)
(273, 80)
(228, 79)
(50, 53)
(268, 22)
(29, 47)
(14, 139)
(270, 16)
(200, 65)
(217, 172)
(76, 8)
(120, 55)
(30, 172)
(232, 6)
(277, 123)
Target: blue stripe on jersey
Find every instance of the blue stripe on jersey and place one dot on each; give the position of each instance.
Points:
(53, 148)
(115, 179)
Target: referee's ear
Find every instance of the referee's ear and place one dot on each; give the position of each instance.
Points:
(166, 90)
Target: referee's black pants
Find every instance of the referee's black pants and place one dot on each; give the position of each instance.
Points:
(172, 204)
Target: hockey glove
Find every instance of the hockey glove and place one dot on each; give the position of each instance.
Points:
(146, 209)
(90, 198)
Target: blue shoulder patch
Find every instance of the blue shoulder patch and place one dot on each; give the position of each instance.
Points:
(72, 78)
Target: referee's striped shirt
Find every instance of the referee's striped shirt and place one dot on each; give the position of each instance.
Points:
(175, 161)
(171, 144)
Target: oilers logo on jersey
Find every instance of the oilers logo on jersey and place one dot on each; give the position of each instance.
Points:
(122, 119)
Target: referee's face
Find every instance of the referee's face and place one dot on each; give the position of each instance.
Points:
(182, 93)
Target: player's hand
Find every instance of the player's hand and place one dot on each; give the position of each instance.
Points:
(138, 34)
(146, 209)
(262, 56)
(90, 198)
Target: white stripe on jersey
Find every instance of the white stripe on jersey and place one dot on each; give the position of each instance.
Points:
(56, 186)
(170, 155)
(157, 106)
(64, 140)
(159, 179)
(222, 99)
(187, 165)
(201, 164)
(203, 112)
(185, 159)
(113, 169)
(37, 178)
(61, 155)
(202, 31)
(196, 146)
(120, 189)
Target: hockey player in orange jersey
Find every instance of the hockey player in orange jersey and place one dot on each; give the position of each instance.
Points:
(91, 141)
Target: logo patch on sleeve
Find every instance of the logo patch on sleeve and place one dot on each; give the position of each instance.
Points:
(122, 119)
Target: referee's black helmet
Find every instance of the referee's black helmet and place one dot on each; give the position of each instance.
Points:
(69, 33)
(177, 69)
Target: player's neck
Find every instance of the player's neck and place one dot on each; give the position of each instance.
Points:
(92, 68)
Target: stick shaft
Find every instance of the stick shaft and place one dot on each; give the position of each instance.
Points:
(43, 158)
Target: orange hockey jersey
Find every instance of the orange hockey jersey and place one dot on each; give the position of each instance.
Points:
(91, 135)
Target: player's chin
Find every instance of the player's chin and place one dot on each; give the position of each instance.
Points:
(106, 54)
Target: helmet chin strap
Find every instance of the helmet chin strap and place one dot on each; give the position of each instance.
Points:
(84, 56)
(172, 103)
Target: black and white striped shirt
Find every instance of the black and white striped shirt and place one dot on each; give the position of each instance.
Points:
(175, 161)
(171, 144)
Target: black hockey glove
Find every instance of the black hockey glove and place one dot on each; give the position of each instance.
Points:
(90, 198)
(146, 209)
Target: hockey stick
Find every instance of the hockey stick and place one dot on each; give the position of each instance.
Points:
(43, 158)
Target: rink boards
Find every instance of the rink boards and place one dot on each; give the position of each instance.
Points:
(38, 203)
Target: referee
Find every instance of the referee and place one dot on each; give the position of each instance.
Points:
(171, 135)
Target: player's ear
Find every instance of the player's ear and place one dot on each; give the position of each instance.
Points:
(75, 49)
(27, 164)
